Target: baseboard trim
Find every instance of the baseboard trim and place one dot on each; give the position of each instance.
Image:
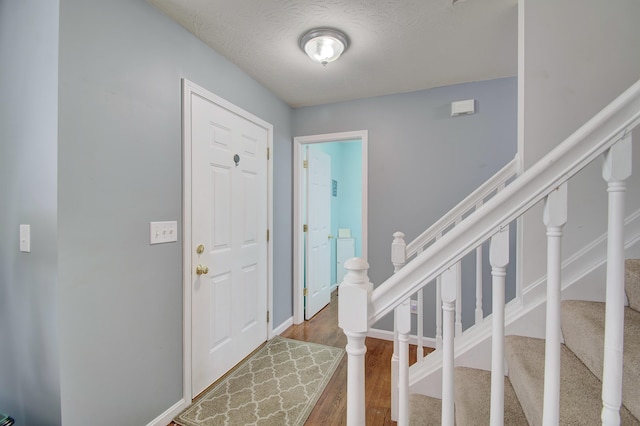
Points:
(167, 417)
(376, 333)
(282, 327)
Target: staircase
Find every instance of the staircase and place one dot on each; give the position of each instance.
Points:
(573, 376)
(580, 371)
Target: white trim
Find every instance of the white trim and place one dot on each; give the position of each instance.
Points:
(283, 327)
(188, 89)
(167, 417)
(376, 333)
(298, 152)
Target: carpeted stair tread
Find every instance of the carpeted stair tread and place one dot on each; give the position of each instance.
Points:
(424, 410)
(580, 390)
(583, 329)
(473, 399)
(632, 282)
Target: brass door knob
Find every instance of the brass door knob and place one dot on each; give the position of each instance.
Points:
(202, 270)
(330, 236)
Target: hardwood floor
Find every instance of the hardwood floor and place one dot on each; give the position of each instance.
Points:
(331, 408)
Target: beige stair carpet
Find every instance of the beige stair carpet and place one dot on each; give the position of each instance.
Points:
(580, 390)
(424, 410)
(583, 329)
(473, 399)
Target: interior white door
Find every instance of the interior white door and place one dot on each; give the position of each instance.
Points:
(318, 261)
(229, 221)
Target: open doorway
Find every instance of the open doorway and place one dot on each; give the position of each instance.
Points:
(348, 152)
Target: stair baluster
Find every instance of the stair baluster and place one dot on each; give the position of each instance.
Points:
(554, 218)
(616, 169)
(479, 313)
(499, 259)
(448, 282)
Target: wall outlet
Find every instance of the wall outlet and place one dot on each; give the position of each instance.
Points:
(414, 307)
(25, 238)
(163, 232)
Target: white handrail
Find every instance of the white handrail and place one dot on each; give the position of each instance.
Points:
(583, 146)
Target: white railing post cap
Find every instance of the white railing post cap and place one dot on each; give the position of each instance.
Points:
(356, 271)
(398, 237)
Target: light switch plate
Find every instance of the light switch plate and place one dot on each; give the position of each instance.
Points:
(25, 238)
(163, 232)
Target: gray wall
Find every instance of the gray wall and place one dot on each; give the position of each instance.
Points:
(576, 56)
(120, 167)
(29, 363)
(422, 161)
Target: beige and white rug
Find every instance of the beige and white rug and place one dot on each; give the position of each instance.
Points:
(278, 385)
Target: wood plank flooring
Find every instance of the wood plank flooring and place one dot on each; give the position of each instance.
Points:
(331, 408)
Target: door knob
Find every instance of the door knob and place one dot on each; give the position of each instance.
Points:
(330, 236)
(202, 270)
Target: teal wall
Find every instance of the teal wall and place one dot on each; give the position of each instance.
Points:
(346, 207)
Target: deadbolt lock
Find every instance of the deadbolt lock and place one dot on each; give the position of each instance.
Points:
(202, 270)
(200, 249)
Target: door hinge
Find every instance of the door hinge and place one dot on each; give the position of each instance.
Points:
(267, 235)
(305, 228)
(305, 164)
(268, 153)
(306, 292)
(267, 316)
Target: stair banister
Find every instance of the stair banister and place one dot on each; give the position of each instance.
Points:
(554, 218)
(608, 131)
(578, 150)
(616, 169)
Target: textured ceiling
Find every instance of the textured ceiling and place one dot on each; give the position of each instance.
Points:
(396, 45)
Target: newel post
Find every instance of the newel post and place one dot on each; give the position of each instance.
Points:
(398, 259)
(353, 318)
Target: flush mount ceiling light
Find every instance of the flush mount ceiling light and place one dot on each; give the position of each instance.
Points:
(324, 45)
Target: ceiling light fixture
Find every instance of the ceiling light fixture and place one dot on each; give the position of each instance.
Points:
(324, 45)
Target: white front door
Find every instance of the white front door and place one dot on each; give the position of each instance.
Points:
(318, 277)
(229, 224)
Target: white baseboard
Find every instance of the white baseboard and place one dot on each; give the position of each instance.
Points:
(282, 327)
(376, 333)
(165, 418)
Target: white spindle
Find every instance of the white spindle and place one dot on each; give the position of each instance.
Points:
(403, 315)
(499, 258)
(554, 218)
(398, 259)
(448, 283)
(479, 313)
(355, 296)
(458, 274)
(420, 327)
(438, 313)
(616, 169)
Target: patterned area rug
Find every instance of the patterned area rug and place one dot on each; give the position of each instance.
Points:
(279, 385)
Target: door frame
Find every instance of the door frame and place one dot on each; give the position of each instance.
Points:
(188, 89)
(298, 206)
